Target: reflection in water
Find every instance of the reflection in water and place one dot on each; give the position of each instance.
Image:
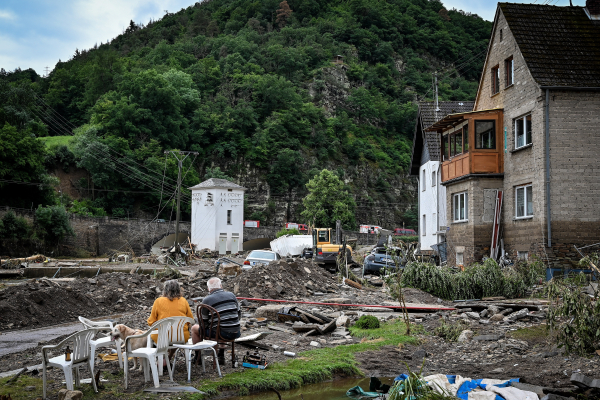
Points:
(332, 390)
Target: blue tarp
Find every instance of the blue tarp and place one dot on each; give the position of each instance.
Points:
(468, 386)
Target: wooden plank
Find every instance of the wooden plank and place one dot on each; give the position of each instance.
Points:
(330, 327)
(305, 327)
(309, 316)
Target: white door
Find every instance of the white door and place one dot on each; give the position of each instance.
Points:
(223, 243)
(235, 240)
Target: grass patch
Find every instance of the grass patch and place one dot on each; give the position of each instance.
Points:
(532, 333)
(53, 141)
(312, 366)
(16, 389)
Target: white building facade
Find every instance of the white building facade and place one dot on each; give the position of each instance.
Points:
(425, 165)
(218, 216)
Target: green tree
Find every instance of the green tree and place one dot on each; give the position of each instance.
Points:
(53, 223)
(14, 227)
(216, 173)
(328, 201)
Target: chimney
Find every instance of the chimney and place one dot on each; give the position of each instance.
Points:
(593, 9)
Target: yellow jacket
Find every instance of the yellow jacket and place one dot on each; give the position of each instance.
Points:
(165, 308)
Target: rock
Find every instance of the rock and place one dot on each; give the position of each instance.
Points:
(506, 311)
(315, 344)
(497, 371)
(419, 354)
(322, 341)
(497, 317)
(584, 381)
(473, 315)
(493, 310)
(488, 338)
(342, 321)
(268, 312)
(553, 396)
(92, 281)
(465, 336)
(529, 388)
(522, 313)
(483, 314)
(65, 394)
(465, 310)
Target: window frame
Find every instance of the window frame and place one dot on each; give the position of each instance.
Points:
(424, 227)
(493, 121)
(495, 75)
(525, 201)
(456, 207)
(526, 135)
(424, 181)
(510, 61)
(433, 178)
(229, 217)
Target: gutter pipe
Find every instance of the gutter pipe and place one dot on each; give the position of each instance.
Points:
(547, 128)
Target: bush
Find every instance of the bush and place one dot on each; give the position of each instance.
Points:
(367, 322)
(450, 332)
(284, 231)
(14, 227)
(53, 222)
(475, 282)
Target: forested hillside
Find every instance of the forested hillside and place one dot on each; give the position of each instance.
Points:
(258, 90)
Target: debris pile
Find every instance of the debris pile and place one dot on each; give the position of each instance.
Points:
(283, 280)
(53, 301)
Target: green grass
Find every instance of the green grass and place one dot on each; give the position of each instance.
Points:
(52, 141)
(531, 333)
(16, 389)
(311, 366)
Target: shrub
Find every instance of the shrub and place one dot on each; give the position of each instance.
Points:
(53, 222)
(367, 322)
(284, 231)
(450, 332)
(14, 227)
(475, 282)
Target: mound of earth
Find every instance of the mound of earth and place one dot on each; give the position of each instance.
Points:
(46, 302)
(283, 280)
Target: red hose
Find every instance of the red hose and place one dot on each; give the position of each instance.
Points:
(426, 308)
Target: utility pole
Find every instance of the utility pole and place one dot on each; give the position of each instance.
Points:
(180, 160)
(437, 104)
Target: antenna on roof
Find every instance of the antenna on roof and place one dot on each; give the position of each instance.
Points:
(437, 104)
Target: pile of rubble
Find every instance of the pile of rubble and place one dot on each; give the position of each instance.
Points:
(45, 302)
(292, 280)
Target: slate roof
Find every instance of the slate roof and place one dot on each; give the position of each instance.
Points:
(425, 118)
(428, 117)
(561, 45)
(217, 183)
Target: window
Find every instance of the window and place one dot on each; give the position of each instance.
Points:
(323, 236)
(501, 35)
(460, 258)
(228, 217)
(495, 80)
(485, 134)
(458, 142)
(522, 131)
(522, 255)
(466, 138)
(433, 178)
(424, 227)
(424, 181)
(460, 207)
(524, 201)
(509, 71)
(446, 147)
(434, 224)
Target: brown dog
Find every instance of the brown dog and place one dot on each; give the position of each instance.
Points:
(122, 332)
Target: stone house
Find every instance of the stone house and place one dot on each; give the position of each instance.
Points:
(533, 139)
(425, 165)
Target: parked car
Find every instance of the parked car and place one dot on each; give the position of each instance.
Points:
(375, 262)
(258, 257)
(404, 232)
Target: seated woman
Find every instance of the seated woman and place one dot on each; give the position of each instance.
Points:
(171, 304)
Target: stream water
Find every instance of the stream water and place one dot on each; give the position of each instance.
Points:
(330, 390)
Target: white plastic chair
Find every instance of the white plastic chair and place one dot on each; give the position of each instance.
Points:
(149, 355)
(187, 351)
(176, 336)
(81, 356)
(104, 341)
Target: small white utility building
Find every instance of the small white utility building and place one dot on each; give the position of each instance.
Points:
(218, 216)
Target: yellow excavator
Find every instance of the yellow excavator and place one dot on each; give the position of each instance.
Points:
(325, 252)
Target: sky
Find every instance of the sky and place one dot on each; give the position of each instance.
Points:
(38, 33)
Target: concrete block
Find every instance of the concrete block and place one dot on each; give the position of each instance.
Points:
(465, 336)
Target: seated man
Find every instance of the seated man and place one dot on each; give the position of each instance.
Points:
(229, 311)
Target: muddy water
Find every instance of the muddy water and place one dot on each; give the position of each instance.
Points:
(331, 390)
